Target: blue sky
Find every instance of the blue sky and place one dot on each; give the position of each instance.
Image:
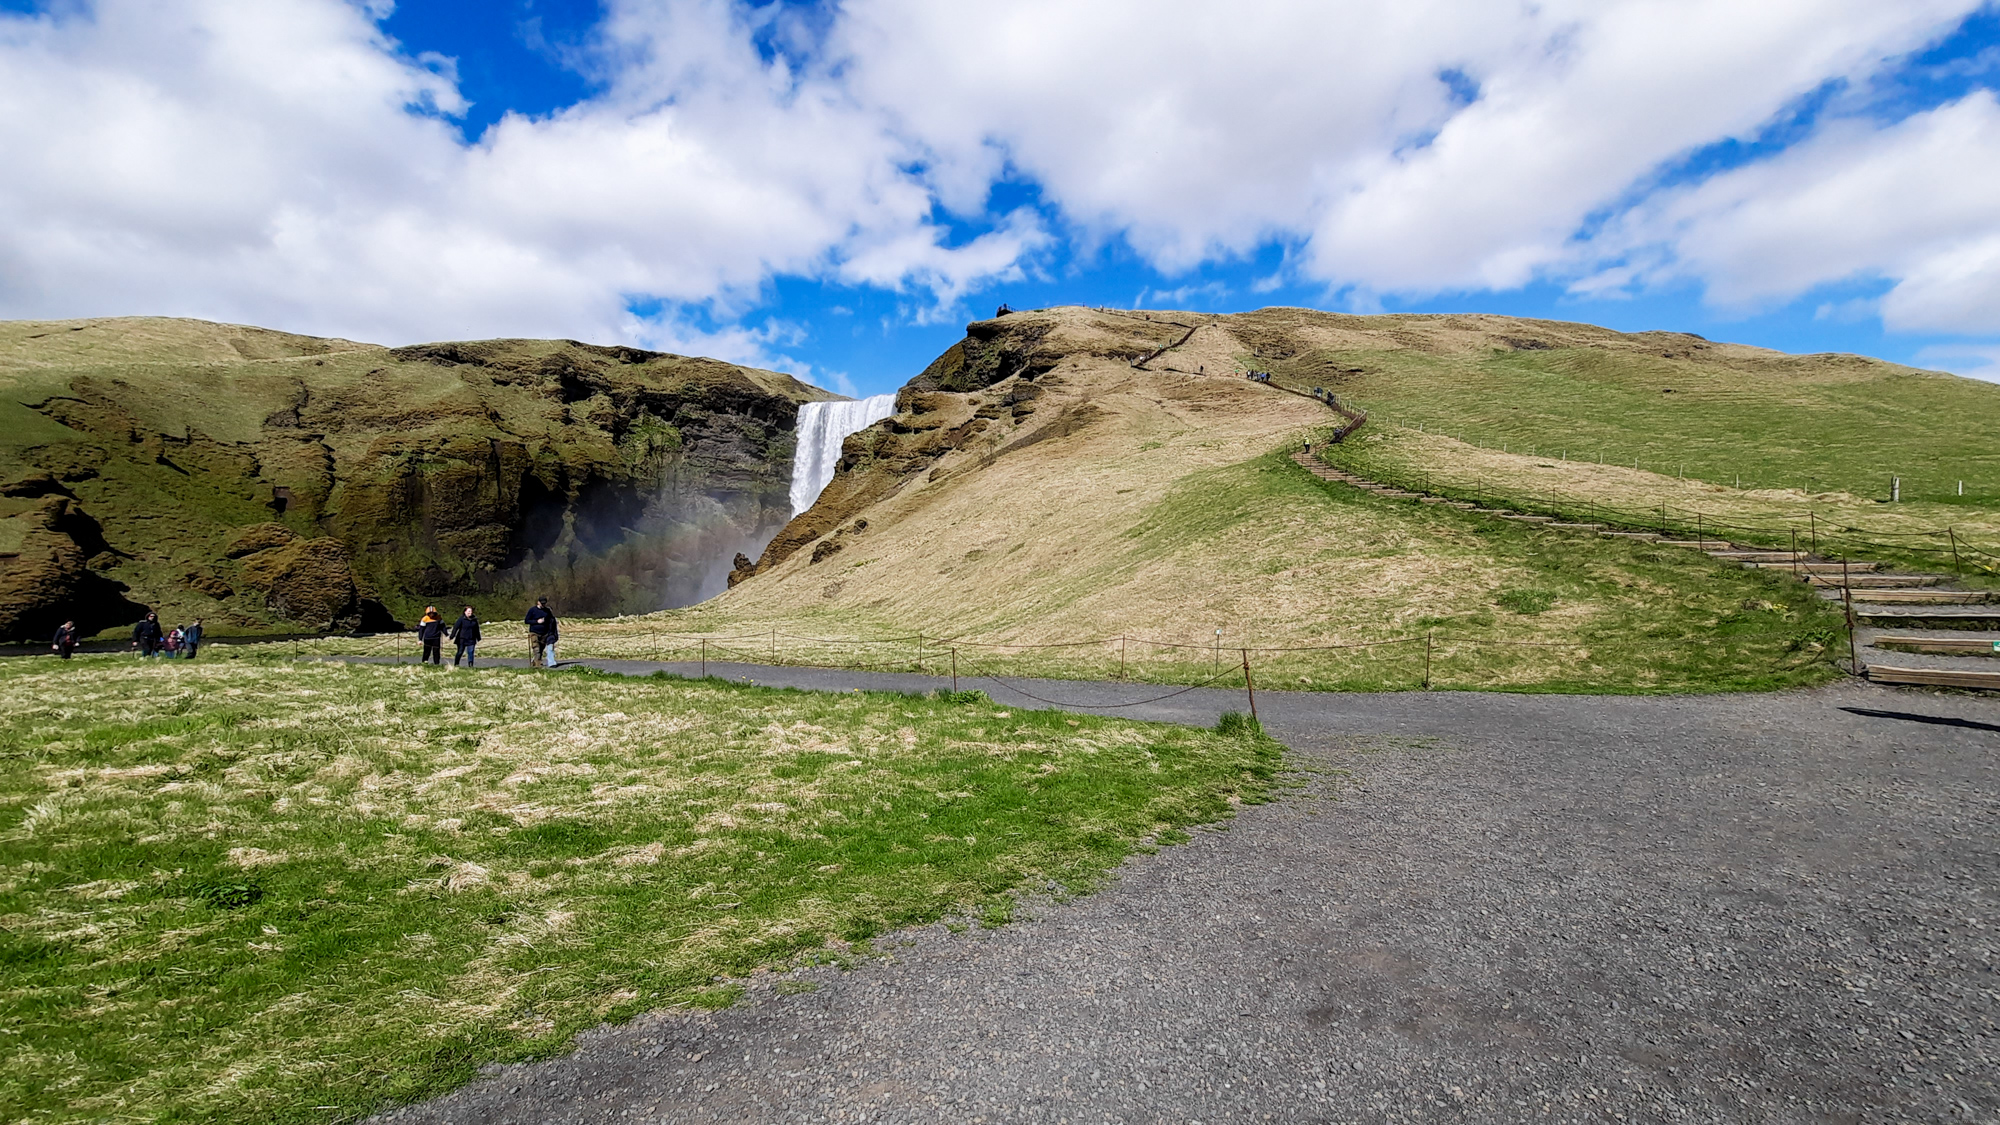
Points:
(834, 190)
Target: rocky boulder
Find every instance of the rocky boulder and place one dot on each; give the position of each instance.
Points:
(311, 581)
(46, 577)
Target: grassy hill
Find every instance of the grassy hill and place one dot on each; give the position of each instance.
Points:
(1036, 488)
(270, 481)
(1676, 404)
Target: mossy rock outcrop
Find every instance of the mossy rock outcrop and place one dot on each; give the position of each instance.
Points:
(265, 481)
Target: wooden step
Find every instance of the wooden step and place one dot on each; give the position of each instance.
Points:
(1753, 555)
(1749, 556)
(1860, 581)
(1697, 544)
(1462, 505)
(1641, 536)
(1819, 567)
(1524, 518)
(1931, 595)
(1941, 646)
(1579, 526)
(1933, 677)
(1432, 499)
(1984, 618)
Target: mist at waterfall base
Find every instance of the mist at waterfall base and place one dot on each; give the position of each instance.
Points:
(627, 554)
(615, 550)
(822, 427)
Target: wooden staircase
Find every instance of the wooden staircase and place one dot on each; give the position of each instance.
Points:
(1875, 600)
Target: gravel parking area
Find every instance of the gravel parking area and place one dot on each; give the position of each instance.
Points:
(1477, 908)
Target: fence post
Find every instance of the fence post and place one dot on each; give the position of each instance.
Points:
(1430, 636)
(1795, 553)
(1250, 685)
(771, 652)
(1121, 656)
(954, 669)
(1956, 568)
(704, 658)
(1812, 520)
(1847, 599)
(1700, 536)
(1663, 519)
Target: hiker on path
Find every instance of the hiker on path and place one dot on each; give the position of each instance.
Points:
(431, 631)
(465, 634)
(542, 631)
(65, 642)
(146, 635)
(191, 639)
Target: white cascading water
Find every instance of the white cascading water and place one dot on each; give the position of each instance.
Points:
(822, 427)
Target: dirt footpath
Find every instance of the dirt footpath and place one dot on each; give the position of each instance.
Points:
(1479, 908)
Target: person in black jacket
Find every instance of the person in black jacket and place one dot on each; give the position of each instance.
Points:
(541, 621)
(431, 631)
(147, 636)
(191, 639)
(65, 642)
(465, 634)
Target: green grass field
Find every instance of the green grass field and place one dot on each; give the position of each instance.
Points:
(1810, 423)
(251, 890)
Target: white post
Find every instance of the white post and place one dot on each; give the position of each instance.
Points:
(1895, 489)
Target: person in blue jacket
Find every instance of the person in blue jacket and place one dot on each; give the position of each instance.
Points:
(191, 639)
(465, 634)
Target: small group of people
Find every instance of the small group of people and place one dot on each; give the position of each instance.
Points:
(464, 633)
(1258, 376)
(149, 637)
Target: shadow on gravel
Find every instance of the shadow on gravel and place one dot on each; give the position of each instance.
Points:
(1912, 717)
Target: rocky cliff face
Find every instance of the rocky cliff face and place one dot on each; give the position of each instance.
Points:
(270, 481)
(976, 395)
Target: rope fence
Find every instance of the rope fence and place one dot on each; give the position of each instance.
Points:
(1816, 533)
(1417, 660)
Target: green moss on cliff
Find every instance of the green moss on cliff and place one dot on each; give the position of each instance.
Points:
(619, 479)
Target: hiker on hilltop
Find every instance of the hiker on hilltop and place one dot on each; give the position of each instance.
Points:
(65, 642)
(541, 622)
(191, 639)
(465, 634)
(147, 635)
(431, 631)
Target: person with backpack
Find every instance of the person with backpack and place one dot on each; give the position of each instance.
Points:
(147, 636)
(191, 639)
(65, 642)
(431, 631)
(541, 623)
(465, 635)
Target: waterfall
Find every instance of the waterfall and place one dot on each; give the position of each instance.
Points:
(822, 427)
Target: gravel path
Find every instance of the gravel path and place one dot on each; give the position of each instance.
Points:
(1478, 908)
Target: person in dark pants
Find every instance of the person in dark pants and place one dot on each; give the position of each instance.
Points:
(65, 642)
(431, 631)
(542, 631)
(191, 639)
(147, 636)
(465, 634)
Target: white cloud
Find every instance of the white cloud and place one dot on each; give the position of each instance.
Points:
(1912, 203)
(281, 162)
